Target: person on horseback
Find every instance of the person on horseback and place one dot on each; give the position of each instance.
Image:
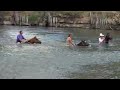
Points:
(69, 40)
(20, 38)
(101, 39)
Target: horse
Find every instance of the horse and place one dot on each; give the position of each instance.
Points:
(83, 43)
(34, 40)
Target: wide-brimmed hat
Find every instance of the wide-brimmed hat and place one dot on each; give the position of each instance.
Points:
(101, 35)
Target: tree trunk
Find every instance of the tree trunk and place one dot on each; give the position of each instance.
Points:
(90, 18)
(27, 19)
(56, 21)
(96, 22)
(1, 18)
(14, 18)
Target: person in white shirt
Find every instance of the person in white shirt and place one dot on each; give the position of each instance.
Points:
(101, 39)
(69, 40)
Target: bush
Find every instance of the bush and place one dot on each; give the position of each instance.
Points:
(33, 19)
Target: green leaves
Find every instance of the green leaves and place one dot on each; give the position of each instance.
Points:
(33, 19)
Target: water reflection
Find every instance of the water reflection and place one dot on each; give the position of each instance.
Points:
(19, 45)
(1, 47)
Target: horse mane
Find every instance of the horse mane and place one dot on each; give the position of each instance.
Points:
(34, 40)
(83, 43)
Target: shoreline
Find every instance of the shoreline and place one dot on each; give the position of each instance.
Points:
(117, 27)
(58, 27)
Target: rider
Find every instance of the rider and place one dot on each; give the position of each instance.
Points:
(20, 38)
(101, 38)
(69, 40)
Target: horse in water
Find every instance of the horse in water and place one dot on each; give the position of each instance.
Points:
(83, 43)
(34, 40)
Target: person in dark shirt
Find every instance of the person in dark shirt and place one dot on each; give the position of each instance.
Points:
(108, 38)
(20, 38)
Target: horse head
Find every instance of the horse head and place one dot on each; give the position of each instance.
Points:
(83, 43)
(34, 40)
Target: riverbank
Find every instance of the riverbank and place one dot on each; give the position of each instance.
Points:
(63, 19)
(68, 24)
(81, 26)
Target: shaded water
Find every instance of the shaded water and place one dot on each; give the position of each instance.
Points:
(53, 59)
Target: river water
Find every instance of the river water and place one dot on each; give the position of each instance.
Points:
(53, 59)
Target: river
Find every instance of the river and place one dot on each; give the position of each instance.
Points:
(53, 59)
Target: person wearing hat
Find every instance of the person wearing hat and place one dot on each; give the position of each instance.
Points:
(101, 38)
